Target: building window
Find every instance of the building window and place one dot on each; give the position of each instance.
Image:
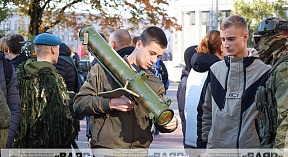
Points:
(62, 37)
(224, 14)
(6, 26)
(192, 17)
(205, 18)
(70, 38)
(286, 13)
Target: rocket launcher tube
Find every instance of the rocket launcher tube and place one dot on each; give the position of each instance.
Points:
(158, 110)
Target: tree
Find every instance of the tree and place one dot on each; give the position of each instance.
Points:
(4, 13)
(257, 11)
(46, 14)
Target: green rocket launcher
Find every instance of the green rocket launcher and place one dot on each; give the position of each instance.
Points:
(131, 83)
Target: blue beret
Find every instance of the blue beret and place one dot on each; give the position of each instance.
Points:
(47, 39)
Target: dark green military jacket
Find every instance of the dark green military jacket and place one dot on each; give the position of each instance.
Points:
(113, 128)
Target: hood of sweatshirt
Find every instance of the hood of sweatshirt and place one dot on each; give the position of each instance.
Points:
(64, 50)
(202, 62)
(31, 67)
(126, 51)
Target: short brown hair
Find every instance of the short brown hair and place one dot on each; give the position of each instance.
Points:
(122, 37)
(234, 20)
(14, 43)
(154, 34)
(135, 39)
(41, 50)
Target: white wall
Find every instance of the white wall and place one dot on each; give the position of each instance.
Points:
(192, 34)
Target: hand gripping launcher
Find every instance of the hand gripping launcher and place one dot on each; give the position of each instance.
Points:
(132, 83)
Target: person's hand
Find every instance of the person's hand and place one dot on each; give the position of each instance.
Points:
(121, 104)
(89, 143)
(172, 124)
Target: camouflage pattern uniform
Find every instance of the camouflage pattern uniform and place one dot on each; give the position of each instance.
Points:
(5, 119)
(47, 118)
(270, 49)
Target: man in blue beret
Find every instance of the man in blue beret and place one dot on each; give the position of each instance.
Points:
(47, 47)
(47, 117)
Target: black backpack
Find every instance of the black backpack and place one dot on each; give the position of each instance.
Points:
(80, 80)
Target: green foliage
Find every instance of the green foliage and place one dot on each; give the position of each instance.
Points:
(4, 11)
(4, 14)
(109, 14)
(256, 11)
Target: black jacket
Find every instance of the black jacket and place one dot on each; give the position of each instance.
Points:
(181, 93)
(164, 73)
(202, 62)
(76, 60)
(66, 70)
(126, 51)
(18, 60)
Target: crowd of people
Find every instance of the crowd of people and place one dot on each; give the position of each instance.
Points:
(219, 84)
(47, 95)
(43, 103)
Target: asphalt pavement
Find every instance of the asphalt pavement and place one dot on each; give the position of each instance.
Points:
(172, 140)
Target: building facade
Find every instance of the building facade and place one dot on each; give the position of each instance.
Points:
(197, 17)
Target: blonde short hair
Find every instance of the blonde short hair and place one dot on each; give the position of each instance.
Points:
(236, 21)
(41, 50)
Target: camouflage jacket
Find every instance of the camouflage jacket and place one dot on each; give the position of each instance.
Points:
(280, 93)
(271, 48)
(47, 120)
